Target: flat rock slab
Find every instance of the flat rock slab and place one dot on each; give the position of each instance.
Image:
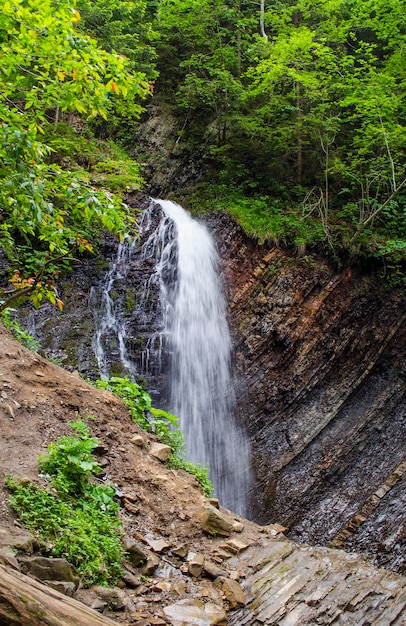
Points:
(288, 584)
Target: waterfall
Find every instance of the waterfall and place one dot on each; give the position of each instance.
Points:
(197, 336)
(186, 340)
(110, 335)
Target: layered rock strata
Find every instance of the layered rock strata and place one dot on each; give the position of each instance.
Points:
(320, 358)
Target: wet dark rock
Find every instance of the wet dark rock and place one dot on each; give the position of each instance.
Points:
(321, 393)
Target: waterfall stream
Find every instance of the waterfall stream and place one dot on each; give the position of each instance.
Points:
(198, 339)
(110, 333)
(191, 333)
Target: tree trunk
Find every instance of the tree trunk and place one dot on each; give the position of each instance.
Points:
(261, 20)
(26, 602)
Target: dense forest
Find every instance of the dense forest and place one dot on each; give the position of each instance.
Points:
(296, 108)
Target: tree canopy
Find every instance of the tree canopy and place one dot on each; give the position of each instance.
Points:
(302, 102)
(299, 107)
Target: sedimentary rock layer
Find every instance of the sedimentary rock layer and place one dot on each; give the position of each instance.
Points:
(320, 356)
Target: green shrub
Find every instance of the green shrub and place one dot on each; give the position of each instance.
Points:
(74, 518)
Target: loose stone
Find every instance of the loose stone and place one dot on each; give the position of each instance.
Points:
(187, 612)
(160, 451)
(214, 522)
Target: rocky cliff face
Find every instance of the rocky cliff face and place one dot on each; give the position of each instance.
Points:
(323, 397)
(321, 382)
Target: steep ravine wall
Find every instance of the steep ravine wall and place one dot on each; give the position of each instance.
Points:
(321, 361)
(321, 383)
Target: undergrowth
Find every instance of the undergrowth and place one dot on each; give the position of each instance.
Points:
(161, 423)
(21, 335)
(73, 517)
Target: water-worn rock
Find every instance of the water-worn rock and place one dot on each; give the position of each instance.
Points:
(321, 356)
(188, 612)
(215, 522)
(288, 584)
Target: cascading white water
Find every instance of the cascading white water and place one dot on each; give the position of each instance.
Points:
(108, 323)
(198, 338)
(191, 333)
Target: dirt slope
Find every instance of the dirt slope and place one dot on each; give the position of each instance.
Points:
(279, 581)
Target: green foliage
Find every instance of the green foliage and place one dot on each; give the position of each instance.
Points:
(318, 104)
(139, 402)
(48, 69)
(74, 518)
(123, 26)
(70, 461)
(278, 220)
(22, 336)
(157, 421)
(200, 472)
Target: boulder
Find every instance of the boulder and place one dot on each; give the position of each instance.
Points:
(25, 542)
(46, 569)
(112, 596)
(137, 440)
(232, 590)
(215, 522)
(7, 557)
(130, 580)
(137, 553)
